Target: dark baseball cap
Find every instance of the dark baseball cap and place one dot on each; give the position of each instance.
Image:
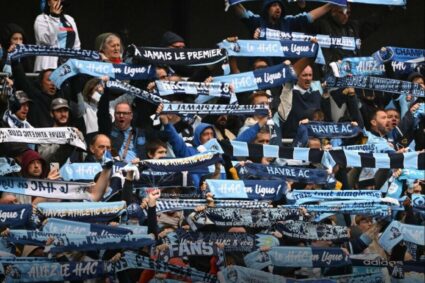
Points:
(59, 103)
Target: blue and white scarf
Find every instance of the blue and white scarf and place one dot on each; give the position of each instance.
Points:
(14, 122)
(45, 188)
(80, 171)
(60, 226)
(83, 211)
(297, 257)
(418, 201)
(247, 189)
(400, 54)
(377, 84)
(194, 162)
(75, 67)
(59, 135)
(296, 174)
(176, 56)
(7, 166)
(137, 92)
(398, 231)
(215, 109)
(325, 41)
(29, 237)
(24, 50)
(94, 243)
(305, 196)
(311, 231)
(331, 130)
(15, 215)
(359, 207)
(412, 174)
(184, 249)
(235, 273)
(193, 88)
(273, 48)
(260, 218)
(260, 79)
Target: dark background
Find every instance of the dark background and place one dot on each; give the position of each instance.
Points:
(202, 23)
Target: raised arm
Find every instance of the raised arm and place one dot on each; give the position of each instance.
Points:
(320, 11)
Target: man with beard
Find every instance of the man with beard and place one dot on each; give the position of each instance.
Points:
(220, 127)
(58, 152)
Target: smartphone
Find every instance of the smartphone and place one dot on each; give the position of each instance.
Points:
(54, 165)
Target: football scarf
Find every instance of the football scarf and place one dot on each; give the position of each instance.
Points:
(60, 226)
(8, 165)
(329, 130)
(173, 204)
(215, 109)
(311, 231)
(305, 196)
(235, 273)
(15, 215)
(184, 249)
(193, 88)
(400, 54)
(80, 171)
(60, 135)
(75, 67)
(45, 188)
(24, 50)
(398, 231)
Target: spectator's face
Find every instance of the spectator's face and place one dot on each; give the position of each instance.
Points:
(7, 198)
(314, 144)
(260, 64)
(381, 123)
(47, 85)
(112, 48)
(16, 38)
(161, 74)
(98, 148)
(275, 11)
(206, 135)
(160, 152)
(420, 81)
(305, 78)
(23, 111)
(35, 168)
(262, 138)
(260, 100)
(61, 116)
(365, 224)
(123, 116)
(221, 121)
(394, 118)
(339, 16)
(178, 44)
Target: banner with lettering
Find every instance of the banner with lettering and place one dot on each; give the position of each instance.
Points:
(215, 109)
(45, 188)
(137, 92)
(273, 48)
(325, 41)
(305, 196)
(74, 67)
(80, 171)
(193, 88)
(247, 189)
(176, 56)
(398, 231)
(29, 237)
(330, 130)
(258, 217)
(312, 231)
(61, 226)
(24, 50)
(377, 84)
(184, 249)
(296, 174)
(15, 215)
(82, 211)
(391, 53)
(59, 135)
(8, 165)
(191, 163)
(266, 78)
(297, 257)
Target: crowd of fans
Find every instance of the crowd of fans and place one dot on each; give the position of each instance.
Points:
(133, 130)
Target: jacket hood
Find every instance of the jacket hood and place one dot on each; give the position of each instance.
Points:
(267, 3)
(7, 32)
(198, 131)
(28, 157)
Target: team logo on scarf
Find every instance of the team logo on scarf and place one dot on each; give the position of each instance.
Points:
(311, 231)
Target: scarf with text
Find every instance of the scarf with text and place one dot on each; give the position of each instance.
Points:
(397, 231)
(247, 189)
(377, 84)
(60, 135)
(366, 66)
(325, 41)
(215, 109)
(311, 231)
(8, 165)
(266, 78)
(24, 50)
(176, 56)
(29, 237)
(305, 196)
(173, 204)
(348, 158)
(191, 163)
(400, 54)
(82, 211)
(330, 130)
(45, 188)
(193, 88)
(15, 215)
(258, 217)
(233, 242)
(296, 174)
(94, 243)
(273, 48)
(60, 226)
(80, 171)
(14, 122)
(297, 257)
(184, 249)
(75, 67)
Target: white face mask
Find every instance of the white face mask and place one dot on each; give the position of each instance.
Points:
(96, 96)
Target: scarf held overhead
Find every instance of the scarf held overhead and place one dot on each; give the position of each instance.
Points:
(24, 50)
(193, 88)
(215, 109)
